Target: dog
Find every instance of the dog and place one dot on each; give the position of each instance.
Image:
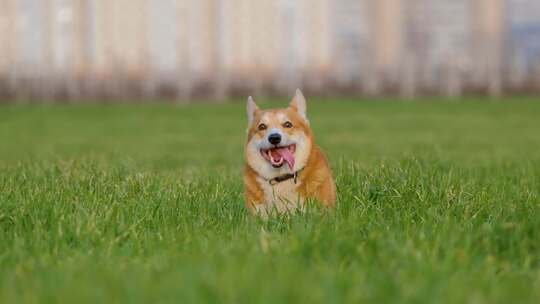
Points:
(284, 167)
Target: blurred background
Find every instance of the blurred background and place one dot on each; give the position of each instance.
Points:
(189, 49)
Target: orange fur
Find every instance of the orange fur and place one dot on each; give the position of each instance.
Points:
(314, 176)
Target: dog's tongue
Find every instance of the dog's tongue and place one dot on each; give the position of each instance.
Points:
(286, 154)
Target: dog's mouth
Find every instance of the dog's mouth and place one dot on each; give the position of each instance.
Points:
(277, 156)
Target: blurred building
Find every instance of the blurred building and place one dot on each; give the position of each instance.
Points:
(76, 49)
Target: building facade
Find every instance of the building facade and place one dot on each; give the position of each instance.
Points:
(189, 48)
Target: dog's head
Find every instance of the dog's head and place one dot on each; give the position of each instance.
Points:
(279, 140)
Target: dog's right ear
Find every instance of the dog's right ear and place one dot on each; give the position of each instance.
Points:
(252, 109)
(298, 104)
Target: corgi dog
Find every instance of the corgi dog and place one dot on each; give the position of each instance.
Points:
(283, 166)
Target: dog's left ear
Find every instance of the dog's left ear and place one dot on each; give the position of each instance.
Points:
(252, 109)
(298, 104)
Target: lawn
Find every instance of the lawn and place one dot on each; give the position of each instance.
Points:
(439, 202)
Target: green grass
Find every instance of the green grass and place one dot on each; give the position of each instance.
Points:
(438, 203)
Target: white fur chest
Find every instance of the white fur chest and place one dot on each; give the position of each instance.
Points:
(282, 197)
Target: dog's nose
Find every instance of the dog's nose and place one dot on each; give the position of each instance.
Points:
(274, 138)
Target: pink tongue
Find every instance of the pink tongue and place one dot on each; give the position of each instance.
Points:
(287, 155)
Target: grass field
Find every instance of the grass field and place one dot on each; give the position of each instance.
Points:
(438, 203)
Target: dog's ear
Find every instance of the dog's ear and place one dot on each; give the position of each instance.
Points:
(298, 104)
(252, 109)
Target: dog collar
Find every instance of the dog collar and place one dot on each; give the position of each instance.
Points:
(281, 178)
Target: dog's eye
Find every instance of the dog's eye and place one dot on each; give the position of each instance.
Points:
(262, 127)
(287, 124)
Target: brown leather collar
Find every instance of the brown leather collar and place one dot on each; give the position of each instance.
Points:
(281, 178)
